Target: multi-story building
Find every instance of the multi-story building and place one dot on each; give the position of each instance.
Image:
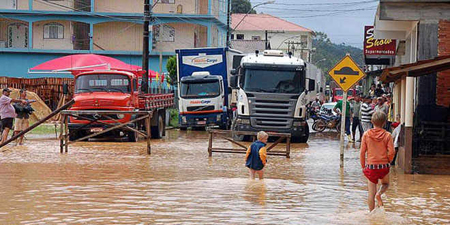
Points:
(34, 31)
(420, 73)
(252, 29)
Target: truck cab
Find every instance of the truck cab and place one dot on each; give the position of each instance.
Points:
(272, 94)
(202, 101)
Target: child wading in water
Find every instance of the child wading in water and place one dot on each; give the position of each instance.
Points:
(377, 143)
(255, 159)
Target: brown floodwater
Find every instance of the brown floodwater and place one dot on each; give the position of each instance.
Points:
(117, 182)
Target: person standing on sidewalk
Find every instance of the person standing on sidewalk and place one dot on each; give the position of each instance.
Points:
(366, 114)
(356, 109)
(7, 112)
(348, 114)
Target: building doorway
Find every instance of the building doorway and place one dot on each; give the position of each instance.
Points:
(17, 35)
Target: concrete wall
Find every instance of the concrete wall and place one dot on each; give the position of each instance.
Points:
(118, 36)
(17, 64)
(187, 7)
(22, 4)
(184, 37)
(66, 5)
(40, 43)
(137, 6)
(123, 6)
(443, 78)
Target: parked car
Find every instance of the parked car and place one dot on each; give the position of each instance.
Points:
(327, 107)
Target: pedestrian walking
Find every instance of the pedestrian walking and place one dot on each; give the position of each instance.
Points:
(348, 113)
(379, 91)
(356, 110)
(7, 112)
(366, 114)
(23, 112)
(256, 156)
(377, 152)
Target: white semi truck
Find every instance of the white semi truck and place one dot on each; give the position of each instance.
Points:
(272, 91)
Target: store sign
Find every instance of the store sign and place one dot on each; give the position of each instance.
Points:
(202, 60)
(374, 46)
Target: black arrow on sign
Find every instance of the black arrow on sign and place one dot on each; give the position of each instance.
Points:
(342, 80)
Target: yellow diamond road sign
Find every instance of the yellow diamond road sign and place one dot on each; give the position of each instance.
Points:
(346, 73)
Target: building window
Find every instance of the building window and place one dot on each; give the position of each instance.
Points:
(53, 31)
(239, 36)
(164, 33)
(232, 36)
(168, 1)
(256, 38)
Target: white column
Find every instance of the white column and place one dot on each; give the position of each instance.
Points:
(409, 106)
(402, 100)
(395, 99)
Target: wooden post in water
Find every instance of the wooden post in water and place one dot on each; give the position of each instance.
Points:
(61, 134)
(344, 111)
(210, 144)
(149, 135)
(66, 135)
(288, 147)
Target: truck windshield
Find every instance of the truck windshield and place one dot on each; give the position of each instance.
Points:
(273, 81)
(200, 89)
(102, 83)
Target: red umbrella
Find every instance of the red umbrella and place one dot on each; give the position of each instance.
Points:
(84, 62)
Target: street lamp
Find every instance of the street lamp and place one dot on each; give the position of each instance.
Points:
(260, 4)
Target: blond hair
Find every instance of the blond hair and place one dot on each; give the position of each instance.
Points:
(379, 118)
(261, 135)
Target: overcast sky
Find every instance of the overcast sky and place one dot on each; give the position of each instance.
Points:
(342, 20)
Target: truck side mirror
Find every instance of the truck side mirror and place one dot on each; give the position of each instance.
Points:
(65, 89)
(233, 72)
(311, 85)
(233, 81)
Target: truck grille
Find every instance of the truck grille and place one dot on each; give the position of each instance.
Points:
(272, 111)
(200, 108)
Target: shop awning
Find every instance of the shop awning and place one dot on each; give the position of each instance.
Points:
(416, 69)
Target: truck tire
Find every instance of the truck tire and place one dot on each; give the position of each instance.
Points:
(132, 136)
(73, 135)
(302, 139)
(183, 128)
(158, 130)
(238, 137)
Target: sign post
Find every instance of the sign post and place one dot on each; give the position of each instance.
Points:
(346, 73)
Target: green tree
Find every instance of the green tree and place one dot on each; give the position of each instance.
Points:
(332, 53)
(172, 70)
(242, 6)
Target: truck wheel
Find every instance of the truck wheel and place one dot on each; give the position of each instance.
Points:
(302, 139)
(132, 136)
(158, 130)
(183, 128)
(73, 135)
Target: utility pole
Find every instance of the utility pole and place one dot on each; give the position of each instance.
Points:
(267, 41)
(228, 22)
(145, 46)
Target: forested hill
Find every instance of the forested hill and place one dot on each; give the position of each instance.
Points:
(332, 53)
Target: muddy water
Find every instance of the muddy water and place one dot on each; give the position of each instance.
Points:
(106, 182)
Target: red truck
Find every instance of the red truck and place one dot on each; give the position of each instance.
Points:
(337, 94)
(116, 90)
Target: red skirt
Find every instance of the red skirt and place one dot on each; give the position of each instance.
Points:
(375, 174)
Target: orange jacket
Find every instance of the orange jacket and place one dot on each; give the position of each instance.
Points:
(378, 145)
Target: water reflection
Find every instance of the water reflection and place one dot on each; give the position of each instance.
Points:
(107, 182)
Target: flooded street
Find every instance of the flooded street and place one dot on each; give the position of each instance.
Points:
(110, 182)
